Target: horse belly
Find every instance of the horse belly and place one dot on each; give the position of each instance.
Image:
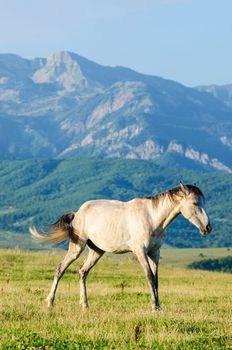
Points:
(110, 242)
(108, 233)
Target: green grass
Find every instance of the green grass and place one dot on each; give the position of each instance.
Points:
(197, 305)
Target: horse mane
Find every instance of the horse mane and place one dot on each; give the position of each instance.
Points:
(170, 194)
(173, 192)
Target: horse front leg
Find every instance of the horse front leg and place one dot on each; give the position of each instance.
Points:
(153, 259)
(73, 253)
(143, 259)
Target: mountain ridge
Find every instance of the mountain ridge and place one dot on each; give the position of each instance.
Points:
(68, 106)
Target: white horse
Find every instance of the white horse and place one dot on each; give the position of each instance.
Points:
(136, 226)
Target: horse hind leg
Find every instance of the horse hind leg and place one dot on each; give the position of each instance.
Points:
(73, 253)
(94, 255)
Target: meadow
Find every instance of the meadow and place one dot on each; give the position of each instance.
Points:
(197, 305)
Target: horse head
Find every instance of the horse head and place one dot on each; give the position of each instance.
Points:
(192, 207)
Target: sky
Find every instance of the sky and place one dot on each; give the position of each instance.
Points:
(189, 41)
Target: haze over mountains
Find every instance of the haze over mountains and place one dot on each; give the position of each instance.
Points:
(67, 106)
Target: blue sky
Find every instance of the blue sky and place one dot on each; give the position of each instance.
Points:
(189, 41)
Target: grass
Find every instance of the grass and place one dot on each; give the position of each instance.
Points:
(197, 305)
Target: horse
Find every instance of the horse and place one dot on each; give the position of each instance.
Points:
(137, 226)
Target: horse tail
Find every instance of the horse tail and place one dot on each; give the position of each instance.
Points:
(60, 231)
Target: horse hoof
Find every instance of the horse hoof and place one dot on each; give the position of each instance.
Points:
(85, 308)
(157, 309)
(49, 303)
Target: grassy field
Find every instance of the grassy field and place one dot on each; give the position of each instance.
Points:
(197, 305)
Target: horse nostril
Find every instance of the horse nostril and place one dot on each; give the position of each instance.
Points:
(209, 228)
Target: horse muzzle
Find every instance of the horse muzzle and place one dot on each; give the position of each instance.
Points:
(206, 230)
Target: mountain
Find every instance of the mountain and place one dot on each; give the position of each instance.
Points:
(38, 192)
(223, 92)
(66, 106)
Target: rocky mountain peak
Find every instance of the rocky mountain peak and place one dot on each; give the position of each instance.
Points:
(61, 68)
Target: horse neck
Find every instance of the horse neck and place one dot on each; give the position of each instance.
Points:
(166, 211)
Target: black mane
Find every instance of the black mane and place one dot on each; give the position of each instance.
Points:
(175, 191)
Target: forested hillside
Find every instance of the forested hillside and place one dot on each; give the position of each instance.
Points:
(37, 192)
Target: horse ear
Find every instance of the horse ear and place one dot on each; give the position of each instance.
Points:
(184, 188)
